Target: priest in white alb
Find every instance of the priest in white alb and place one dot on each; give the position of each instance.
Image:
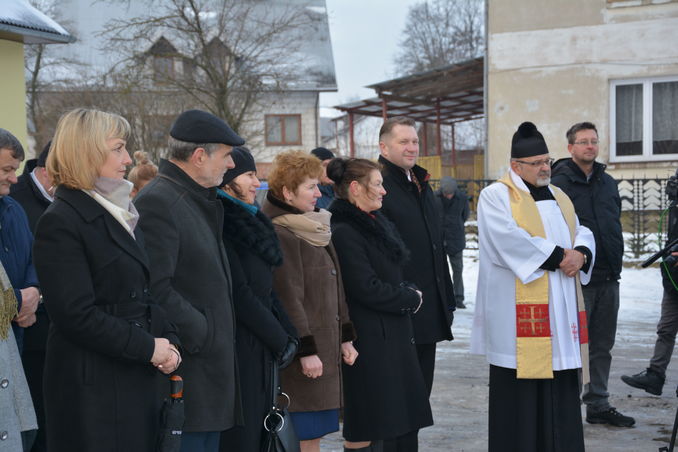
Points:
(530, 320)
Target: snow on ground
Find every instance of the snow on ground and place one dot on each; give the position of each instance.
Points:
(640, 292)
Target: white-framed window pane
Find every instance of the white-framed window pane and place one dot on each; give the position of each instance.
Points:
(292, 129)
(273, 130)
(664, 118)
(629, 119)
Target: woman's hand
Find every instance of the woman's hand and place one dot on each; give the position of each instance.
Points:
(311, 366)
(349, 353)
(172, 363)
(166, 357)
(161, 352)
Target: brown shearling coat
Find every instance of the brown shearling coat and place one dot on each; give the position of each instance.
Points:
(309, 285)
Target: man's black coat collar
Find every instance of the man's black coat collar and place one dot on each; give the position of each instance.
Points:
(400, 175)
(169, 170)
(36, 190)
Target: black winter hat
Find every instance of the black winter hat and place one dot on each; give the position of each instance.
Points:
(323, 153)
(42, 158)
(244, 162)
(528, 142)
(197, 126)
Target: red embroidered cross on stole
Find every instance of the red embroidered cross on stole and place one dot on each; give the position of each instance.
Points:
(533, 320)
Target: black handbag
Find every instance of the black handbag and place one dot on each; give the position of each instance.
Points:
(279, 431)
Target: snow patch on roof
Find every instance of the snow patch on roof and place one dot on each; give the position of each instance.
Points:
(19, 13)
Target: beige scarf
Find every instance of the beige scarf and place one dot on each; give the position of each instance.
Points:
(8, 304)
(311, 227)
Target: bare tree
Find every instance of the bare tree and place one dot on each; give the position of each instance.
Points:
(43, 72)
(441, 32)
(219, 55)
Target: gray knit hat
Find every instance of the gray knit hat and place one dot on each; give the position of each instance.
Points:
(448, 185)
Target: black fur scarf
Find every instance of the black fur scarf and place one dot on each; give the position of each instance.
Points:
(379, 230)
(252, 232)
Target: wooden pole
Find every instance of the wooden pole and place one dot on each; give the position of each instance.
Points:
(350, 131)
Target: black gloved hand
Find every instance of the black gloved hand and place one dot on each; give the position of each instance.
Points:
(286, 357)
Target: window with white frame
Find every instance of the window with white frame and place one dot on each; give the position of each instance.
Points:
(644, 119)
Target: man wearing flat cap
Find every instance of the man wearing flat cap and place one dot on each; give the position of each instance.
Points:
(181, 219)
(530, 319)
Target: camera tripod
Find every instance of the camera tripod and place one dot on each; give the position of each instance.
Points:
(672, 443)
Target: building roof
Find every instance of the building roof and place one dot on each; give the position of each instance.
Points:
(17, 17)
(315, 53)
(455, 91)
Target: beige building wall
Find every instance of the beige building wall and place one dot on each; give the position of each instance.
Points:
(552, 63)
(303, 103)
(13, 90)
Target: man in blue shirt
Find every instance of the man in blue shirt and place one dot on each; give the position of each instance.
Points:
(16, 240)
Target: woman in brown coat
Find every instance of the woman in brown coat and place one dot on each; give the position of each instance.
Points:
(310, 288)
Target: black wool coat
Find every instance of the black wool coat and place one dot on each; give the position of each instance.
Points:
(384, 391)
(27, 193)
(262, 327)
(598, 206)
(101, 391)
(191, 278)
(417, 218)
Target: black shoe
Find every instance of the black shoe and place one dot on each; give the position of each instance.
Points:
(610, 416)
(461, 305)
(649, 380)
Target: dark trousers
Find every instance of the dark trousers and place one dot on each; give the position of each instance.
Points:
(200, 442)
(602, 305)
(666, 333)
(34, 367)
(457, 264)
(534, 415)
(427, 362)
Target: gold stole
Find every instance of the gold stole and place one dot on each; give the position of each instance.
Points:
(8, 304)
(533, 328)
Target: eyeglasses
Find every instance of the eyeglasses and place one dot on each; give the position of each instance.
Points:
(586, 143)
(538, 163)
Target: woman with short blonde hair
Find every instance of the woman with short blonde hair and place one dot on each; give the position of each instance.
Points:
(68, 164)
(109, 341)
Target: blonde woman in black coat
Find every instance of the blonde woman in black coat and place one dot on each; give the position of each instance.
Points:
(108, 343)
(385, 398)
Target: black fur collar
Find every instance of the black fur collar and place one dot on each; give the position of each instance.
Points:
(378, 230)
(253, 232)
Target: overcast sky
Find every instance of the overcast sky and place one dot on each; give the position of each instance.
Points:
(365, 36)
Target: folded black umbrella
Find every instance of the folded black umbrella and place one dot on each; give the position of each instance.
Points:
(172, 417)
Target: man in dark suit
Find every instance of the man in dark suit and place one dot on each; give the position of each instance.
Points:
(34, 192)
(410, 204)
(190, 274)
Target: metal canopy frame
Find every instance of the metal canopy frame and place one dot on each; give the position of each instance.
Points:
(441, 96)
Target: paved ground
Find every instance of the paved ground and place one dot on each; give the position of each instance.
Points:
(460, 392)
